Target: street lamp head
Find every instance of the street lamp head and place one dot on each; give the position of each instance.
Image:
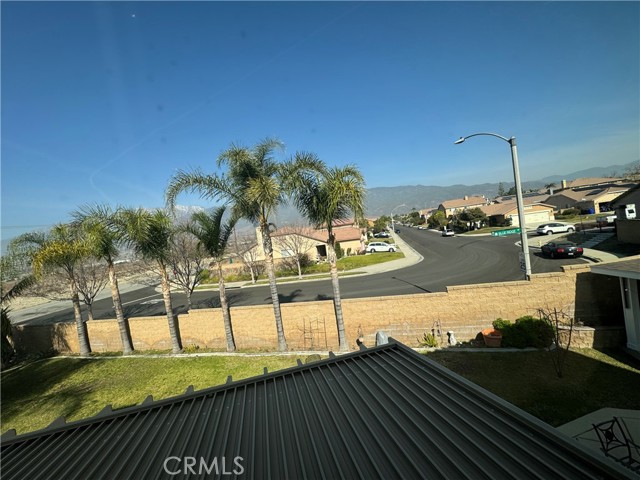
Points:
(459, 141)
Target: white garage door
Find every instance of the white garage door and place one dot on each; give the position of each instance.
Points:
(532, 218)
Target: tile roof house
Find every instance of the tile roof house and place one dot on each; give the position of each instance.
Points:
(587, 182)
(594, 200)
(449, 207)
(507, 213)
(313, 241)
(384, 412)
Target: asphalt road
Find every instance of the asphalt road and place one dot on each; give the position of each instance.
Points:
(447, 261)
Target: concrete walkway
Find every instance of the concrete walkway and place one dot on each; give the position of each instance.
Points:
(581, 429)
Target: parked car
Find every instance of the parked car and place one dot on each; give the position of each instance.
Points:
(374, 247)
(561, 249)
(448, 233)
(556, 227)
(397, 230)
(381, 235)
(420, 227)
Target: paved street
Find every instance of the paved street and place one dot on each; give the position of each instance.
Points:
(432, 263)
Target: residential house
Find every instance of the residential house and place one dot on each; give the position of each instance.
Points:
(628, 272)
(457, 205)
(385, 412)
(594, 200)
(289, 240)
(628, 229)
(507, 213)
(588, 182)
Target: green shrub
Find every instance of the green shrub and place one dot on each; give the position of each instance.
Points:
(339, 252)
(526, 332)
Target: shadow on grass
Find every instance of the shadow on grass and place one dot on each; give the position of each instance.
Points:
(592, 380)
(20, 391)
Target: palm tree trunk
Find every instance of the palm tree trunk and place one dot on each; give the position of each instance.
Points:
(273, 289)
(337, 300)
(226, 315)
(166, 295)
(123, 323)
(81, 327)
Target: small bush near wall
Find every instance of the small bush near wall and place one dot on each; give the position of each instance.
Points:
(526, 332)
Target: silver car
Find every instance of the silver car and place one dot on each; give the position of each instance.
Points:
(374, 247)
(556, 227)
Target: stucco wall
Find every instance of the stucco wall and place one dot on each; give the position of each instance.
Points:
(311, 325)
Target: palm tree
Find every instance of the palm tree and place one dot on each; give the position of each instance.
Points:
(61, 249)
(214, 237)
(255, 185)
(98, 224)
(334, 195)
(7, 295)
(149, 234)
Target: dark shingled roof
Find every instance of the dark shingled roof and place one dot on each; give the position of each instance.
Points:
(385, 412)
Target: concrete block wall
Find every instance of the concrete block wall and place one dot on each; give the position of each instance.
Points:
(465, 310)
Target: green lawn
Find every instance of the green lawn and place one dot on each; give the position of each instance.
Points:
(591, 380)
(36, 394)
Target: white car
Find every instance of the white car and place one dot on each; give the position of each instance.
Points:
(448, 233)
(374, 247)
(556, 227)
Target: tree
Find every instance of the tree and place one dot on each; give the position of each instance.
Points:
(99, 222)
(255, 185)
(437, 220)
(186, 260)
(9, 291)
(149, 234)
(213, 236)
(501, 191)
(246, 249)
(550, 186)
(633, 172)
(91, 279)
(62, 249)
(380, 224)
(333, 195)
(473, 215)
(296, 241)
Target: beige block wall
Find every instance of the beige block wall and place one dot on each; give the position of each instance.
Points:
(465, 310)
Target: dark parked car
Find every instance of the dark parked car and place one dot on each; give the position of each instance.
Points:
(564, 249)
(397, 230)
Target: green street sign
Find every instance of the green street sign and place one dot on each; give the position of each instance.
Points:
(501, 233)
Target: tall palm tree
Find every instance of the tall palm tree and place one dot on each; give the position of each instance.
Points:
(149, 234)
(334, 195)
(255, 184)
(98, 223)
(213, 236)
(61, 249)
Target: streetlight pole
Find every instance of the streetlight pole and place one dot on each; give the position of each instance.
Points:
(520, 204)
(393, 228)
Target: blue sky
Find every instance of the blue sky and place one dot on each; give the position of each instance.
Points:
(103, 102)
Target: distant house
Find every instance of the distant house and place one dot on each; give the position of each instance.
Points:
(289, 240)
(587, 182)
(628, 230)
(507, 213)
(450, 207)
(594, 200)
